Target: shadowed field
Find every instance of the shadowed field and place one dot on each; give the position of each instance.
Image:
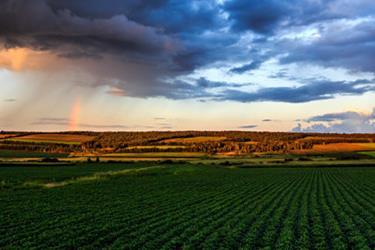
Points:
(27, 154)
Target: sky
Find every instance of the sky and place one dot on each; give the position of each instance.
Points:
(135, 65)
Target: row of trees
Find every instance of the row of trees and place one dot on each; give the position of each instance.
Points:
(222, 147)
(237, 141)
(233, 141)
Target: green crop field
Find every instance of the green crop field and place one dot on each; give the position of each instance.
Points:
(161, 206)
(28, 154)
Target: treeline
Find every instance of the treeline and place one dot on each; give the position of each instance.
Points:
(237, 141)
(233, 141)
(226, 146)
(121, 140)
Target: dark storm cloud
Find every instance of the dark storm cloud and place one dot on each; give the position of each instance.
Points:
(144, 48)
(165, 31)
(172, 16)
(33, 23)
(266, 16)
(342, 45)
(259, 15)
(345, 122)
(105, 8)
(315, 90)
(182, 89)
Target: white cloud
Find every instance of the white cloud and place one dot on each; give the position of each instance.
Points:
(344, 122)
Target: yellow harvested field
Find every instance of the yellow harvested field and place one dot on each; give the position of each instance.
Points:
(55, 138)
(343, 147)
(331, 138)
(321, 137)
(231, 153)
(251, 142)
(195, 139)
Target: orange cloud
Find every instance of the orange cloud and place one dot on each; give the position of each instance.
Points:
(19, 59)
(115, 91)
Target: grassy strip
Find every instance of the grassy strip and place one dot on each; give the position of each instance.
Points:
(94, 177)
(369, 153)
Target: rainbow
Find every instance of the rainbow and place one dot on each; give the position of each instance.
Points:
(74, 114)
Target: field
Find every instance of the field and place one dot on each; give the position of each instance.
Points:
(54, 138)
(195, 139)
(4, 136)
(160, 155)
(343, 147)
(28, 154)
(173, 206)
(161, 147)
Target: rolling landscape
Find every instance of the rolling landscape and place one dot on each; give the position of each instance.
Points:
(187, 189)
(183, 145)
(187, 124)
